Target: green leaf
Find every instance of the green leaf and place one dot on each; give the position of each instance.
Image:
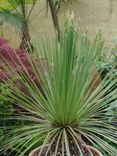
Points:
(10, 4)
(14, 19)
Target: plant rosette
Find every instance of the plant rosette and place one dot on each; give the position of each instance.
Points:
(69, 113)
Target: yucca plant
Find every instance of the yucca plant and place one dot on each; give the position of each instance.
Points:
(66, 113)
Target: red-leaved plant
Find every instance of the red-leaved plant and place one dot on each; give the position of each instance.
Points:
(13, 57)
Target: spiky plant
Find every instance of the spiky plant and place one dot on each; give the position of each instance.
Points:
(66, 112)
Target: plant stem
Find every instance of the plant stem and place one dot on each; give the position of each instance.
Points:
(54, 17)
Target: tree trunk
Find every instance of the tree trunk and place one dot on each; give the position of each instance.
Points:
(25, 37)
(54, 17)
(1, 23)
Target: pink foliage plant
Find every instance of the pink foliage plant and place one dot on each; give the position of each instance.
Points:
(15, 58)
